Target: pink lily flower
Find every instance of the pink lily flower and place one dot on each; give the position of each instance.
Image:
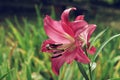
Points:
(67, 39)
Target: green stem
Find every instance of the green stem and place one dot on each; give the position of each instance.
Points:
(82, 70)
(90, 71)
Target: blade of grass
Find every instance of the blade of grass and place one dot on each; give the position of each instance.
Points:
(16, 33)
(103, 45)
(53, 15)
(100, 34)
(68, 72)
(114, 79)
(29, 77)
(3, 76)
(39, 19)
(82, 70)
(18, 25)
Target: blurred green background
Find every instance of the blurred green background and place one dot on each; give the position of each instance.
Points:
(21, 27)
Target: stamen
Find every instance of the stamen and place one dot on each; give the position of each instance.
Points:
(56, 56)
(48, 47)
(59, 51)
(52, 46)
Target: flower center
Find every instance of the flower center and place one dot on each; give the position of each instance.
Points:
(69, 38)
(58, 49)
(81, 40)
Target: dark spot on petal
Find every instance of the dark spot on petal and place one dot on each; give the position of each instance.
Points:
(59, 51)
(54, 45)
(56, 56)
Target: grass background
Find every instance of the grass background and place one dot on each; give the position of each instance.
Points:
(21, 59)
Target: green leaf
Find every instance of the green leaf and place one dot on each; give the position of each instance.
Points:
(100, 34)
(53, 15)
(103, 45)
(117, 58)
(28, 72)
(82, 70)
(20, 28)
(39, 19)
(114, 79)
(3, 76)
(16, 33)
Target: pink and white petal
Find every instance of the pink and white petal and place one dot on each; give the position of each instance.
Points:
(90, 30)
(67, 29)
(80, 17)
(81, 57)
(86, 32)
(92, 50)
(54, 24)
(70, 55)
(54, 30)
(57, 64)
(65, 15)
(81, 32)
(78, 25)
(44, 45)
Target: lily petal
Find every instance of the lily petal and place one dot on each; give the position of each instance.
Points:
(92, 50)
(80, 17)
(81, 57)
(67, 29)
(65, 15)
(54, 30)
(86, 32)
(44, 45)
(56, 64)
(78, 25)
(90, 30)
(67, 57)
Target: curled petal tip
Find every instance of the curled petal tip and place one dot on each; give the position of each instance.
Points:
(73, 8)
(80, 17)
(46, 17)
(65, 14)
(94, 25)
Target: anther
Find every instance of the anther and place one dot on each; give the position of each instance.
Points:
(52, 46)
(48, 47)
